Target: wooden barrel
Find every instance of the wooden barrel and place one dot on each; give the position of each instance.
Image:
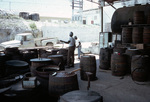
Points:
(58, 60)
(119, 64)
(16, 67)
(62, 83)
(2, 64)
(146, 35)
(37, 62)
(88, 64)
(140, 68)
(130, 53)
(139, 17)
(137, 35)
(63, 52)
(42, 74)
(120, 50)
(81, 96)
(105, 58)
(29, 54)
(126, 35)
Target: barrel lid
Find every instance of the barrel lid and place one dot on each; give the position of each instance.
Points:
(64, 74)
(16, 63)
(81, 96)
(55, 56)
(40, 60)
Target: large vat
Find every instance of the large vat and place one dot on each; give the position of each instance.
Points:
(122, 15)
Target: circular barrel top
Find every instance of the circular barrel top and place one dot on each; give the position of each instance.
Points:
(16, 63)
(64, 74)
(40, 60)
(81, 96)
(55, 56)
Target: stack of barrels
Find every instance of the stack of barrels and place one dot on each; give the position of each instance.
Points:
(137, 34)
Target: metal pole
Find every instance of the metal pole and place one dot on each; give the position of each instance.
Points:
(101, 18)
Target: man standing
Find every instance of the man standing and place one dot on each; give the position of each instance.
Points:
(70, 57)
(78, 45)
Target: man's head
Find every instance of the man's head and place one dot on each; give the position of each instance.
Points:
(75, 37)
(71, 34)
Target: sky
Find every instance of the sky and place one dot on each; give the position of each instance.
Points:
(53, 8)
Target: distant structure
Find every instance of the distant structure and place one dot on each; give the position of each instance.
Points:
(26, 15)
(77, 10)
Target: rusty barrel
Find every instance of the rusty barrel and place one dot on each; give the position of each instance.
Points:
(120, 50)
(137, 35)
(88, 64)
(139, 17)
(58, 60)
(126, 35)
(2, 64)
(130, 53)
(146, 35)
(105, 58)
(81, 96)
(140, 68)
(148, 18)
(16, 67)
(119, 64)
(42, 74)
(62, 83)
(64, 52)
(36, 62)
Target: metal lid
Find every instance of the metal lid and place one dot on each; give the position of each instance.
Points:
(40, 60)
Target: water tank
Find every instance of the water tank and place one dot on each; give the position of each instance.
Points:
(122, 15)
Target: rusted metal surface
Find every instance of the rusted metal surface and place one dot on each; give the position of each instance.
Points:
(146, 35)
(88, 64)
(139, 17)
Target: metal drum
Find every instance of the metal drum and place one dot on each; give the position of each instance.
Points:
(119, 64)
(42, 74)
(88, 64)
(58, 60)
(37, 62)
(16, 67)
(126, 35)
(62, 83)
(81, 96)
(105, 58)
(140, 68)
(137, 35)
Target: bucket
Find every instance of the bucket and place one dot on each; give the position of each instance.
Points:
(119, 64)
(138, 17)
(105, 58)
(137, 35)
(88, 64)
(140, 68)
(37, 62)
(146, 35)
(58, 60)
(126, 35)
(62, 83)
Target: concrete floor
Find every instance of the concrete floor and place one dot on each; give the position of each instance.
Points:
(113, 88)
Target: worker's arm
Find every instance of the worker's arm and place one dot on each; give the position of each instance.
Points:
(67, 42)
